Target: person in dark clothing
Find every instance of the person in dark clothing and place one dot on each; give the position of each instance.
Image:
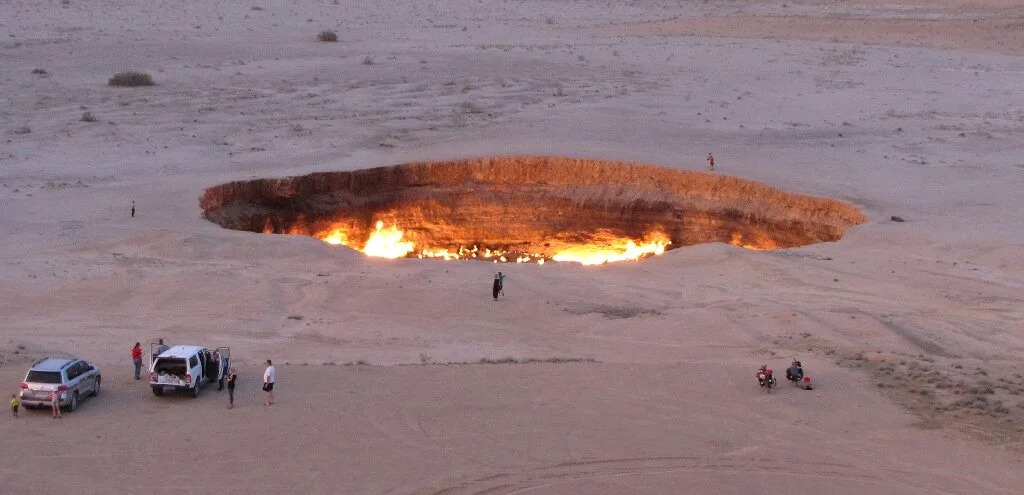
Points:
(232, 377)
(496, 289)
(795, 373)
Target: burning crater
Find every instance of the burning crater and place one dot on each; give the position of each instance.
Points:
(527, 209)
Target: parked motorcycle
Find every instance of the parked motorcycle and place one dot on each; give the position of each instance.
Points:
(766, 378)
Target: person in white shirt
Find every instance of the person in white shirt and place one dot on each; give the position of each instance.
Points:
(269, 376)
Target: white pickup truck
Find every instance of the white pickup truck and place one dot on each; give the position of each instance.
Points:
(187, 368)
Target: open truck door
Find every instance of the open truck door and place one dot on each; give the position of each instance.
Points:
(154, 351)
(225, 365)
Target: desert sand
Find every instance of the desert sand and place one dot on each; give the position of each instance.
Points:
(404, 376)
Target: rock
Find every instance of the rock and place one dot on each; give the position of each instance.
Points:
(896, 218)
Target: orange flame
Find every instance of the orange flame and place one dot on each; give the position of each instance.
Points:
(387, 242)
(599, 255)
(336, 237)
(760, 244)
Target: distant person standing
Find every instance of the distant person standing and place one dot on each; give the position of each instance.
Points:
(133, 209)
(160, 348)
(15, 402)
(711, 162)
(137, 359)
(498, 286)
(232, 378)
(269, 377)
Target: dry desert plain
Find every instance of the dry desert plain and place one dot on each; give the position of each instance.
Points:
(624, 378)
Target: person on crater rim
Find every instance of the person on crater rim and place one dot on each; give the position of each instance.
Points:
(496, 289)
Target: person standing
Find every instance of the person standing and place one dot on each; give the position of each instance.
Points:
(269, 377)
(137, 359)
(133, 209)
(15, 402)
(498, 287)
(711, 162)
(55, 403)
(160, 348)
(232, 378)
(220, 370)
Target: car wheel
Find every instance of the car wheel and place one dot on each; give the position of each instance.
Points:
(158, 391)
(96, 387)
(74, 402)
(195, 391)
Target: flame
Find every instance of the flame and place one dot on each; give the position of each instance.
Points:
(336, 237)
(759, 244)
(387, 242)
(599, 255)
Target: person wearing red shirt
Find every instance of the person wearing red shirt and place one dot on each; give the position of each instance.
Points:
(137, 359)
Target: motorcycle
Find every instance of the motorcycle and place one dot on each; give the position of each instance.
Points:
(766, 378)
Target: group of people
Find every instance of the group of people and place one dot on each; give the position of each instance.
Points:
(229, 376)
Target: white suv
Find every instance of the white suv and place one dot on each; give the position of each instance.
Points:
(187, 368)
(72, 378)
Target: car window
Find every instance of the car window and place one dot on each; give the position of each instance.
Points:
(193, 362)
(80, 368)
(73, 371)
(35, 376)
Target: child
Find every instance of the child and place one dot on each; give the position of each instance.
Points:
(15, 402)
(55, 403)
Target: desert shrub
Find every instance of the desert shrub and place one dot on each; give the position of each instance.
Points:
(131, 79)
(327, 36)
(39, 71)
(88, 117)
(368, 60)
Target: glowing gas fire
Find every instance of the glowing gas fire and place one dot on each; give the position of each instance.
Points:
(384, 242)
(759, 244)
(388, 242)
(598, 255)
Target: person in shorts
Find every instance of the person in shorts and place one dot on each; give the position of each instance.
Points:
(269, 377)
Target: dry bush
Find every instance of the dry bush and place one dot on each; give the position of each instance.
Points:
(327, 36)
(88, 117)
(130, 79)
(368, 60)
(39, 71)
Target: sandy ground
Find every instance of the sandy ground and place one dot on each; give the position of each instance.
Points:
(912, 330)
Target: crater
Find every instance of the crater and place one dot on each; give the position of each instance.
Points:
(528, 209)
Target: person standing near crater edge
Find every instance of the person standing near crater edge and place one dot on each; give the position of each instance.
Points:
(496, 289)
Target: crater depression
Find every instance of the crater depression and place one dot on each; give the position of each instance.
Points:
(528, 209)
